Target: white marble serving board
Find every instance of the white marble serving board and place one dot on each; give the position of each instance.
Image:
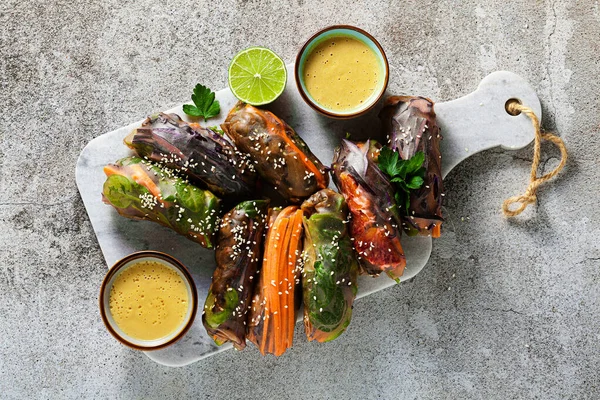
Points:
(469, 125)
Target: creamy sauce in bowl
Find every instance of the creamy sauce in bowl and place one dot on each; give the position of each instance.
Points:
(341, 73)
(148, 300)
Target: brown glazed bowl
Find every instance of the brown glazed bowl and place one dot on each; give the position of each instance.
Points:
(106, 287)
(335, 31)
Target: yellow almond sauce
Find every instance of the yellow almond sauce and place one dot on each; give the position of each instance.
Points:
(148, 300)
(341, 73)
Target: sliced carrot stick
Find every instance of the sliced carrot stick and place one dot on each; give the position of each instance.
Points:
(141, 177)
(437, 230)
(284, 273)
(287, 275)
(284, 277)
(111, 170)
(278, 275)
(269, 281)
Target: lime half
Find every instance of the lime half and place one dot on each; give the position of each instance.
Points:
(257, 76)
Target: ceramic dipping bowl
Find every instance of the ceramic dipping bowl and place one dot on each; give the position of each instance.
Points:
(120, 267)
(329, 33)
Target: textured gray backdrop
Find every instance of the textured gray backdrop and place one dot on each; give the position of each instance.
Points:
(504, 309)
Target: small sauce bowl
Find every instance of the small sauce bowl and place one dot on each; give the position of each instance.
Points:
(332, 32)
(120, 267)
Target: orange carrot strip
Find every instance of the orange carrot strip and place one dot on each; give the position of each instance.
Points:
(288, 266)
(269, 275)
(283, 343)
(287, 276)
(281, 245)
(141, 177)
(281, 238)
(284, 272)
(110, 170)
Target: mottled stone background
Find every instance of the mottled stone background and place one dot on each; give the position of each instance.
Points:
(504, 309)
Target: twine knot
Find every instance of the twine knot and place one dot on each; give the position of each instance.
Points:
(515, 108)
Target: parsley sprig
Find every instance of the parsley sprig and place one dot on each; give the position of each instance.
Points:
(405, 175)
(205, 104)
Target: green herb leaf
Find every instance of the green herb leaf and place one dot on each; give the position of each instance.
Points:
(205, 104)
(214, 109)
(405, 175)
(415, 182)
(415, 162)
(389, 162)
(192, 110)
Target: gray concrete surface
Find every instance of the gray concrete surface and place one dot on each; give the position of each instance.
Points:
(505, 309)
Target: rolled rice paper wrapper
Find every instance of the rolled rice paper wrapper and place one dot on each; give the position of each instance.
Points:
(281, 157)
(139, 189)
(375, 221)
(410, 125)
(330, 274)
(238, 254)
(210, 160)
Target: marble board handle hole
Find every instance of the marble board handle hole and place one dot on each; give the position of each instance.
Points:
(509, 102)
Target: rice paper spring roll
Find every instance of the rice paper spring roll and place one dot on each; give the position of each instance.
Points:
(209, 159)
(375, 221)
(329, 277)
(411, 127)
(138, 189)
(273, 310)
(238, 254)
(281, 157)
